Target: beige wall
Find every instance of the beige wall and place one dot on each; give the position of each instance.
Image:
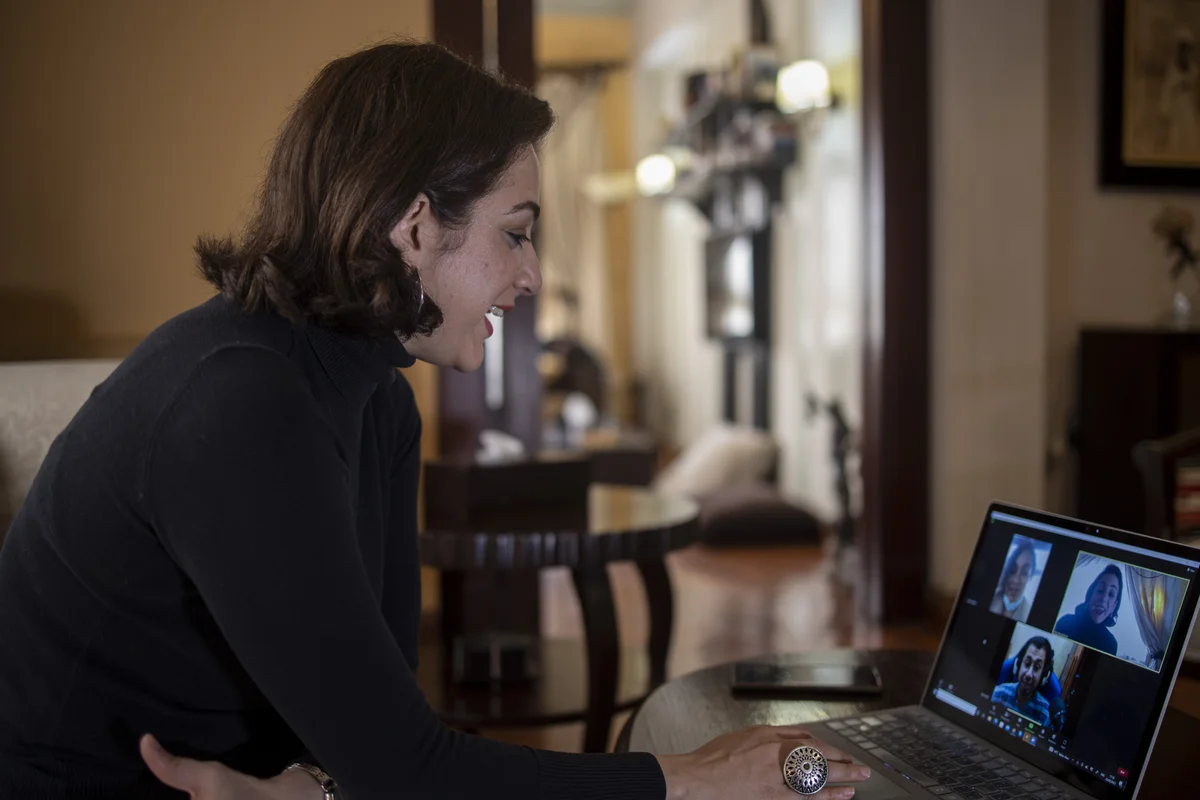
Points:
(573, 40)
(130, 128)
(989, 183)
(1027, 250)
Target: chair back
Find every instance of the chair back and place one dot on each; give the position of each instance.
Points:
(37, 400)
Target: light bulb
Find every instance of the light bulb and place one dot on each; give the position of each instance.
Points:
(802, 86)
(655, 174)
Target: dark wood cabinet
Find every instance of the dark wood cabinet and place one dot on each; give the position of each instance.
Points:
(1132, 385)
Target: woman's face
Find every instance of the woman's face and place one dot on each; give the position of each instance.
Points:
(487, 263)
(1018, 576)
(1103, 599)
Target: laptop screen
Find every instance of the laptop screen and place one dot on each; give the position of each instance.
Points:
(1064, 644)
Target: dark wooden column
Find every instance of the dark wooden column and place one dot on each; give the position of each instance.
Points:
(458, 26)
(462, 408)
(895, 446)
(471, 601)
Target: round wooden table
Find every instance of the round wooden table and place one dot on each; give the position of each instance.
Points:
(683, 714)
(688, 711)
(623, 524)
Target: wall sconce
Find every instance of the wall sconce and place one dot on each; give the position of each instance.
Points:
(659, 173)
(656, 174)
(803, 86)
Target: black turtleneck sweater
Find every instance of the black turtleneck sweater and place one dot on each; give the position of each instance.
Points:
(221, 549)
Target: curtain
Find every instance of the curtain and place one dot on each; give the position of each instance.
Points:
(1156, 599)
(575, 295)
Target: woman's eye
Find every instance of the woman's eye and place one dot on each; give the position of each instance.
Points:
(518, 239)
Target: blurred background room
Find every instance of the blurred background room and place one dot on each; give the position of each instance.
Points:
(821, 279)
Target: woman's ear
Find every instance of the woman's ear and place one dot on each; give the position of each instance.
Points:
(416, 230)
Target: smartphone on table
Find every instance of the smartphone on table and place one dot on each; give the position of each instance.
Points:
(754, 677)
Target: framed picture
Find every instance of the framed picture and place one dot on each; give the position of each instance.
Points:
(1150, 94)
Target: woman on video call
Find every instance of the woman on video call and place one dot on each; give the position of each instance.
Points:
(221, 548)
(1097, 613)
(1010, 600)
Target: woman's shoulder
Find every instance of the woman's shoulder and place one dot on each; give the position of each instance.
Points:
(171, 353)
(158, 373)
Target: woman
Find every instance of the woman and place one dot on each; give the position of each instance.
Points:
(1093, 617)
(220, 549)
(1010, 600)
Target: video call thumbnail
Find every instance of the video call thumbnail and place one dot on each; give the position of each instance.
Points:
(1121, 609)
(1036, 675)
(1020, 578)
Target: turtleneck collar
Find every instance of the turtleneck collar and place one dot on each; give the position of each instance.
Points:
(357, 364)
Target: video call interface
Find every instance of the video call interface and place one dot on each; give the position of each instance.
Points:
(1060, 640)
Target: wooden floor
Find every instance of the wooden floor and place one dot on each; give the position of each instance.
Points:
(729, 604)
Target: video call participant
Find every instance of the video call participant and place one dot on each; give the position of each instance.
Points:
(1035, 662)
(1010, 600)
(1097, 613)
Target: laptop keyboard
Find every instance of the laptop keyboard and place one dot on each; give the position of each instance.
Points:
(942, 760)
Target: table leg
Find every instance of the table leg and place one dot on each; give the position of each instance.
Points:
(661, 604)
(603, 654)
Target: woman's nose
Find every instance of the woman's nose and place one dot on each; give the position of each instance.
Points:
(529, 280)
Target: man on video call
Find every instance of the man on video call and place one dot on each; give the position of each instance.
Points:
(1035, 662)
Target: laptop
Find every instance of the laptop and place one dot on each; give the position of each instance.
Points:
(1053, 674)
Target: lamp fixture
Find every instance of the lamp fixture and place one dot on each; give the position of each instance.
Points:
(656, 174)
(803, 86)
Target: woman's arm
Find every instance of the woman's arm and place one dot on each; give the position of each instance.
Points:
(740, 764)
(249, 492)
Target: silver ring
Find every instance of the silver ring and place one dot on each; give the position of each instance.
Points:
(805, 771)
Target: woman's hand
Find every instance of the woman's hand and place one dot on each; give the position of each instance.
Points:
(210, 780)
(749, 764)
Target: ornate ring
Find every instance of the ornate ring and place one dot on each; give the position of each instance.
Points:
(805, 770)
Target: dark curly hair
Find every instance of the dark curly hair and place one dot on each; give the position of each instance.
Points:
(373, 130)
